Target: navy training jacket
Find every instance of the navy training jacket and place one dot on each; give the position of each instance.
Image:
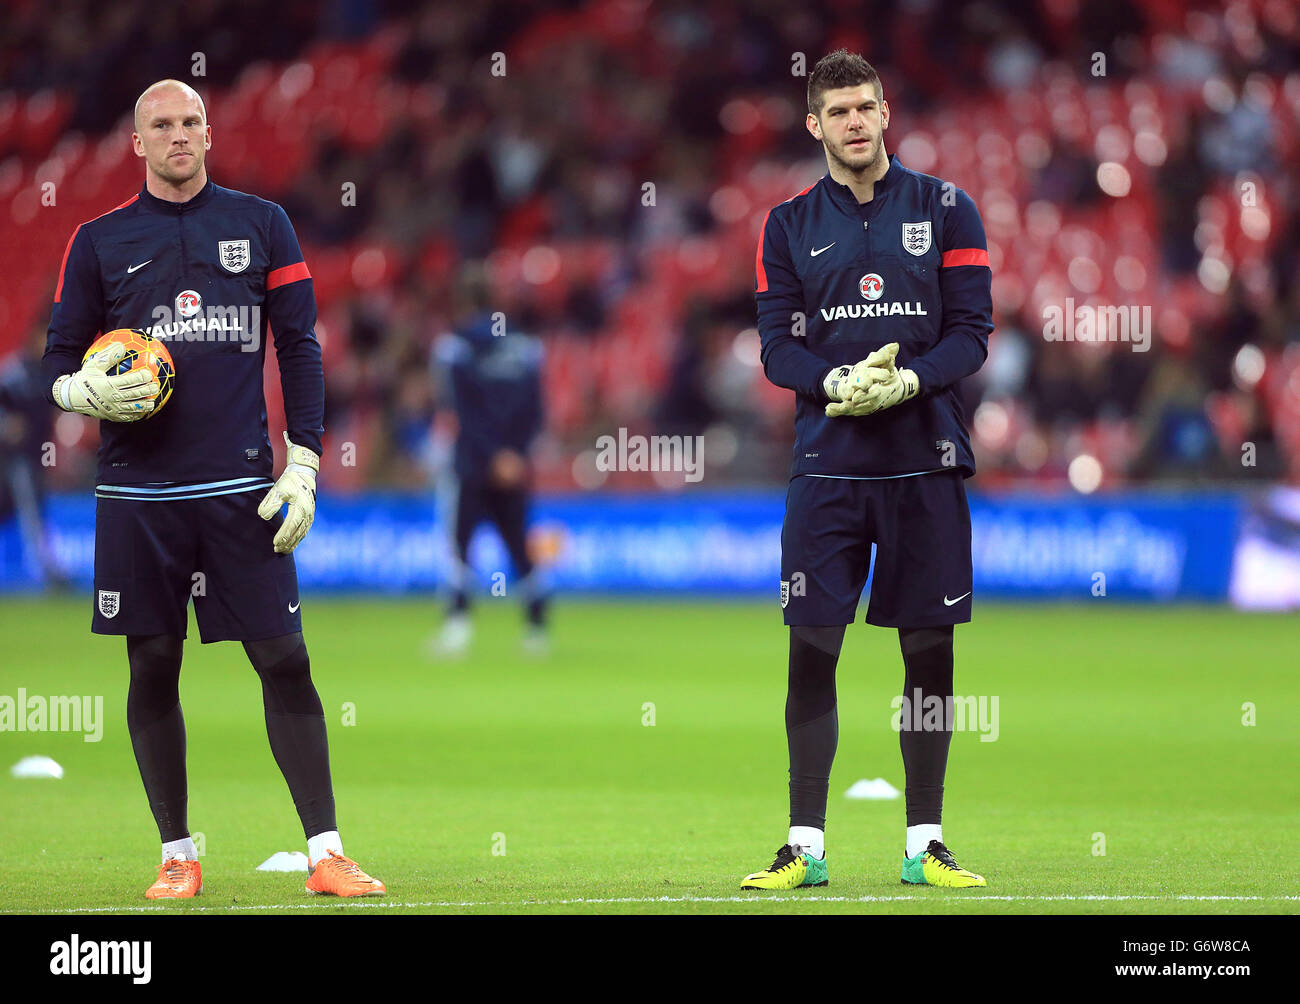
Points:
(494, 383)
(836, 280)
(207, 277)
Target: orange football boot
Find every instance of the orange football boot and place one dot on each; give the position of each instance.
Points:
(177, 879)
(340, 876)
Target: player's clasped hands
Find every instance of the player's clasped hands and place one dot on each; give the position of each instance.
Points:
(93, 390)
(870, 386)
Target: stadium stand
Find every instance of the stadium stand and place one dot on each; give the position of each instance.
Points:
(614, 178)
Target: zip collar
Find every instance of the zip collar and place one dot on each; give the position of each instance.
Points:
(157, 205)
(887, 181)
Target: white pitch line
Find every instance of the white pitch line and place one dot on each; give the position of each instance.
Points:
(376, 904)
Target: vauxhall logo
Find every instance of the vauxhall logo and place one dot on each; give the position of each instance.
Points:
(872, 288)
(189, 320)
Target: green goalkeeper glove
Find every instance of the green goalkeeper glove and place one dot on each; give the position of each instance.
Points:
(894, 388)
(840, 383)
(123, 397)
(297, 486)
(863, 391)
(836, 384)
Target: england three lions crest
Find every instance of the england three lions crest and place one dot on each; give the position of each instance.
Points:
(916, 238)
(109, 603)
(235, 255)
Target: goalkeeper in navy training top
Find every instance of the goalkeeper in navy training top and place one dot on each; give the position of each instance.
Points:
(491, 377)
(185, 502)
(873, 289)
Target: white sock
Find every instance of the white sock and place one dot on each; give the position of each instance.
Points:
(811, 839)
(183, 848)
(319, 846)
(919, 837)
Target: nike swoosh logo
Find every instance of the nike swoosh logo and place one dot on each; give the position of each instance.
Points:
(947, 602)
(293, 607)
(136, 268)
(826, 248)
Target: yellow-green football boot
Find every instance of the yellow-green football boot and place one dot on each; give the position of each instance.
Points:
(935, 866)
(791, 869)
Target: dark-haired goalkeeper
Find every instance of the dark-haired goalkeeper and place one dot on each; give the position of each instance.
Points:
(873, 291)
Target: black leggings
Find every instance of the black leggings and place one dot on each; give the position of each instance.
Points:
(295, 726)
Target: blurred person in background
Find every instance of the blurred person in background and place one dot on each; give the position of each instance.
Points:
(490, 378)
(26, 432)
(1177, 436)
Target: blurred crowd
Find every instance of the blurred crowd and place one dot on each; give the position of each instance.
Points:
(611, 160)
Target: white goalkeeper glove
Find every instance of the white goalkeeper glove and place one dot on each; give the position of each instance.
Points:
(864, 390)
(125, 397)
(297, 486)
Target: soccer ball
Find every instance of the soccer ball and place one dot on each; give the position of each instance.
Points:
(143, 351)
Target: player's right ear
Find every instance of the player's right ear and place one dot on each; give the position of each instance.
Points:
(814, 127)
(137, 144)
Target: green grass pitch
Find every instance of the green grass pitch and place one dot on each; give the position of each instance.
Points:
(507, 784)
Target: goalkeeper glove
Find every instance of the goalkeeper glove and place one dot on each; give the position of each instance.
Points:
(123, 397)
(836, 383)
(841, 381)
(297, 486)
(862, 391)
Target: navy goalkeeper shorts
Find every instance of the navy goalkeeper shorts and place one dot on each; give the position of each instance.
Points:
(920, 526)
(152, 556)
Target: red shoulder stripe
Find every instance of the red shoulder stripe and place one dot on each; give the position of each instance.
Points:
(58, 290)
(762, 234)
(759, 270)
(284, 276)
(965, 256)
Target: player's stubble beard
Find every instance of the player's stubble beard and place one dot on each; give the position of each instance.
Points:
(177, 176)
(859, 170)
